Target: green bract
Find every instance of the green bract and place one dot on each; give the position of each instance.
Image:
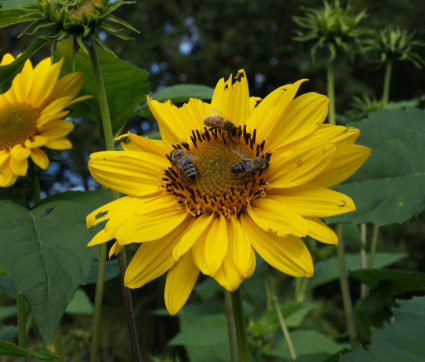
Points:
(393, 44)
(331, 27)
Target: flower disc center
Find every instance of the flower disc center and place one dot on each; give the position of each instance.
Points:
(218, 173)
(18, 122)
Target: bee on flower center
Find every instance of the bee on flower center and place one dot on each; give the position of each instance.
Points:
(220, 122)
(249, 164)
(183, 161)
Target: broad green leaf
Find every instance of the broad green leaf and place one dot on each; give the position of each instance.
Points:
(44, 251)
(203, 332)
(14, 16)
(327, 270)
(306, 342)
(293, 312)
(6, 285)
(9, 71)
(80, 304)
(9, 349)
(388, 188)
(178, 94)
(400, 340)
(7, 312)
(16, 4)
(126, 85)
(112, 270)
(359, 355)
(8, 332)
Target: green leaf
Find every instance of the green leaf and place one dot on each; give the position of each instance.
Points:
(80, 304)
(16, 4)
(9, 349)
(112, 270)
(399, 340)
(126, 85)
(327, 270)
(179, 94)
(401, 281)
(203, 333)
(14, 16)
(44, 251)
(359, 355)
(306, 342)
(9, 71)
(388, 188)
(8, 332)
(7, 312)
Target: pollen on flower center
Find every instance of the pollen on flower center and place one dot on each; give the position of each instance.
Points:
(218, 173)
(17, 124)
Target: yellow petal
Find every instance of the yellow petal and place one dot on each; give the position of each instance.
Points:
(4, 156)
(176, 124)
(39, 158)
(287, 254)
(7, 177)
(47, 76)
(272, 109)
(51, 110)
(273, 215)
(19, 167)
(56, 129)
(241, 249)
(198, 227)
(101, 237)
(130, 172)
(309, 200)
(152, 259)
(321, 232)
(23, 83)
(60, 144)
(19, 152)
(7, 59)
(301, 167)
(231, 98)
(181, 279)
(150, 226)
(209, 251)
(115, 249)
(303, 116)
(348, 159)
(37, 141)
(132, 142)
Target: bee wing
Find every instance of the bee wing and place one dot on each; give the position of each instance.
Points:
(242, 155)
(215, 112)
(192, 156)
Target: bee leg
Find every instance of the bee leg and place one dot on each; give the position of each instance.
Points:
(224, 140)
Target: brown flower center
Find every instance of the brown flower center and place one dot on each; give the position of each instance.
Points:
(218, 172)
(18, 122)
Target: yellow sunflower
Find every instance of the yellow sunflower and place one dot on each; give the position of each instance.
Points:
(228, 179)
(32, 115)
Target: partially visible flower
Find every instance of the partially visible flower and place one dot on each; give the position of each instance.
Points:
(32, 115)
(55, 20)
(254, 177)
(331, 27)
(393, 44)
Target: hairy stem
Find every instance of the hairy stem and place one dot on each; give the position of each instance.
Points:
(230, 326)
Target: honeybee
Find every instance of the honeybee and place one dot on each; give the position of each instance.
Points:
(219, 121)
(249, 164)
(183, 161)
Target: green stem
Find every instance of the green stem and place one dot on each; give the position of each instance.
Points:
(331, 91)
(387, 81)
(345, 291)
(373, 245)
(22, 331)
(230, 326)
(109, 145)
(57, 341)
(240, 327)
(363, 236)
(282, 323)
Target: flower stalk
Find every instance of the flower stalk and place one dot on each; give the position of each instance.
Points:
(109, 145)
(331, 90)
(22, 331)
(230, 326)
(387, 81)
(345, 291)
(240, 326)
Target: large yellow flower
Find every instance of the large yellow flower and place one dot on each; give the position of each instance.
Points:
(257, 185)
(32, 115)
